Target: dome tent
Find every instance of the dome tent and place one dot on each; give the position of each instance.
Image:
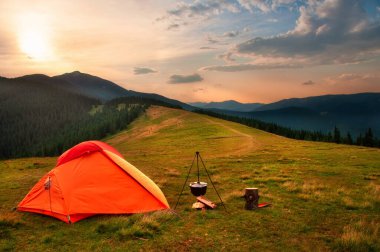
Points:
(93, 178)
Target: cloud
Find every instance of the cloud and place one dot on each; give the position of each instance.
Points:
(173, 26)
(199, 10)
(246, 29)
(264, 5)
(202, 8)
(333, 31)
(272, 20)
(326, 32)
(196, 90)
(211, 40)
(231, 34)
(227, 57)
(179, 79)
(247, 67)
(278, 3)
(308, 83)
(357, 79)
(143, 70)
(206, 48)
(255, 4)
(206, 9)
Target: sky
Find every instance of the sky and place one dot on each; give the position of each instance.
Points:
(202, 50)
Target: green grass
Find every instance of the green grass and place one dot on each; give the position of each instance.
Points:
(324, 196)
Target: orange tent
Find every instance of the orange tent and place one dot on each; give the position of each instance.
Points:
(93, 178)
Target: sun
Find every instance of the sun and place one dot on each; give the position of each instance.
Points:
(33, 40)
(35, 45)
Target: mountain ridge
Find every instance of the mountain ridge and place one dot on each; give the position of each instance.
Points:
(353, 113)
(95, 87)
(227, 105)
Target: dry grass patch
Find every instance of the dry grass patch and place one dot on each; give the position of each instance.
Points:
(313, 187)
(350, 204)
(373, 191)
(360, 236)
(137, 226)
(173, 173)
(309, 190)
(291, 186)
(235, 194)
(245, 176)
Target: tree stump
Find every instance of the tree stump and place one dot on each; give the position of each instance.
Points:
(252, 198)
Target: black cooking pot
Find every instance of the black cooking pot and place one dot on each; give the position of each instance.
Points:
(198, 188)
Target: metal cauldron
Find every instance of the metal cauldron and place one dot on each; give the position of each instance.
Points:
(198, 188)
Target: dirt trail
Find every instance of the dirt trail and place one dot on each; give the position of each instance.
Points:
(150, 130)
(247, 145)
(246, 142)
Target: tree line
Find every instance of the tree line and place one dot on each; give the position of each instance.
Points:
(48, 124)
(365, 139)
(37, 135)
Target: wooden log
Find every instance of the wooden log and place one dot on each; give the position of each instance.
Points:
(199, 205)
(251, 198)
(207, 202)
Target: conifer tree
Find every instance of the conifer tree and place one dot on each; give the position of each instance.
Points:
(349, 139)
(337, 135)
(368, 138)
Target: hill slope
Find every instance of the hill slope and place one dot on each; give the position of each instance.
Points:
(33, 111)
(310, 185)
(41, 116)
(105, 90)
(93, 87)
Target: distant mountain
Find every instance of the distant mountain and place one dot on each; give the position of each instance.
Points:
(367, 103)
(353, 113)
(96, 87)
(91, 86)
(105, 90)
(228, 105)
(42, 115)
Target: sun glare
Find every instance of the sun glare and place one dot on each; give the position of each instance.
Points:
(33, 39)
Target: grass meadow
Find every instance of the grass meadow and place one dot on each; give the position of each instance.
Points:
(325, 197)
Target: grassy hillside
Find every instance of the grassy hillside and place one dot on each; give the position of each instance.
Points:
(325, 196)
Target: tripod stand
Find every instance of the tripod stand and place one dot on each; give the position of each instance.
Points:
(202, 189)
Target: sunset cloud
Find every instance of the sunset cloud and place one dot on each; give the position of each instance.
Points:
(308, 83)
(351, 78)
(207, 48)
(255, 4)
(330, 32)
(206, 9)
(181, 79)
(247, 67)
(231, 34)
(143, 70)
(326, 32)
